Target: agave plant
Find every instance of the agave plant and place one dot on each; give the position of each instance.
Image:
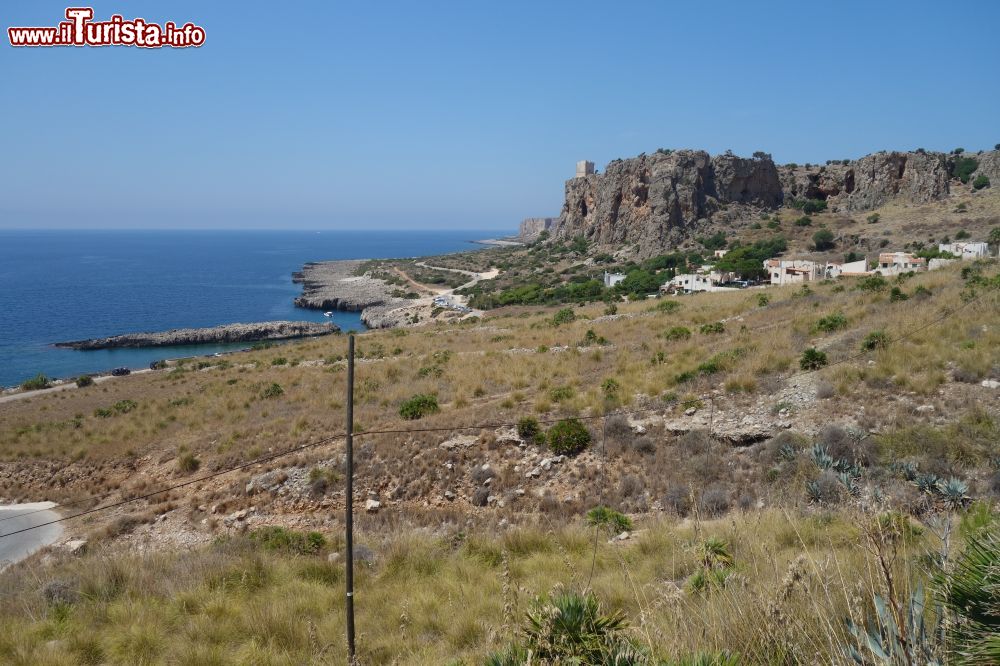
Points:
(850, 484)
(822, 458)
(570, 628)
(953, 492)
(970, 590)
(927, 482)
(885, 643)
(786, 452)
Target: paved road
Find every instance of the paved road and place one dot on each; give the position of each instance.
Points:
(13, 518)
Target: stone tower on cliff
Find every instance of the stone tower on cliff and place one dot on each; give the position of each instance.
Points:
(584, 168)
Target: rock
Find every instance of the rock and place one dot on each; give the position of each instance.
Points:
(924, 409)
(364, 554)
(690, 411)
(230, 333)
(990, 383)
(531, 227)
(450, 496)
(372, 506)
(60, 593)
(533, 474)
(76, 546)
(268, 481)
(333, 557)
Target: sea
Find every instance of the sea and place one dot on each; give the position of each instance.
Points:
(58, 285)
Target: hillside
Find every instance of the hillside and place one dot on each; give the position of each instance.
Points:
(708, 417)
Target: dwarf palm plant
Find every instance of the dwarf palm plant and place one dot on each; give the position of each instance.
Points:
(970, 591)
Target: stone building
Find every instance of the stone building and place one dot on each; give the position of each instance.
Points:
(584, 168)
(966, 250)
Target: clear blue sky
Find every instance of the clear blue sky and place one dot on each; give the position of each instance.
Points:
(463, 114)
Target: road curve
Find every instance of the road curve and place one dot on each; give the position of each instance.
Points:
(16, 517)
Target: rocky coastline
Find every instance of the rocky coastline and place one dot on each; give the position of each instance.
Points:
(229, 333)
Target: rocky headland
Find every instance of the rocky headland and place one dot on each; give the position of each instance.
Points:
(229, 333)
(654, 202)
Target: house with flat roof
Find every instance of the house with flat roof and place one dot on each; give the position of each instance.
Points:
(611, 279)
(894, 263)
(794, 271)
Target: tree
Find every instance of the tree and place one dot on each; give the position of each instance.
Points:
(980, 182)
(823, 239)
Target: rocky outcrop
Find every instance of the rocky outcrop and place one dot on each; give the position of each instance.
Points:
(653, 200)
(334, 285)
(989, 166)
(656, 201)
(255, 332)
(532, 227)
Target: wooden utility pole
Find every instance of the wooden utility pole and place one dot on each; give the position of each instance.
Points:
(349, 502)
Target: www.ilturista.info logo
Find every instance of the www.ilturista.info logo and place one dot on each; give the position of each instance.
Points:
(80, 30)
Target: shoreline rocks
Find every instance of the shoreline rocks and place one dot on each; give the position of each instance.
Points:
(252, 332)
(335, 285)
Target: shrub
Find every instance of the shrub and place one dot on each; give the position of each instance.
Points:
(897, 294)
(419, 406)
(677, 333)
(963, 168)
(873, 218)
(84, 380)
(610, 387)
(188, 463)
(124, 406)
(980, 182)
(823, 240)
(667, 306)
(272, 391)
(968, 590)
(831, 323)
(715, 327)
(804, 221)
(280, 360)
(571, 628)
(564, 316)
(810, 206)
(290, 541)
(36, 383)
(714, 500)
(812, 359)
(677, 499)
(529, 430)
(763, 300)
(561, 393)
(872, 283)
(616, 521)
(568, 437)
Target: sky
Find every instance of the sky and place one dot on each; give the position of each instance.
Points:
(464, 114)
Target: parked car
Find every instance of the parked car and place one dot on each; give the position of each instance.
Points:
(120, 372)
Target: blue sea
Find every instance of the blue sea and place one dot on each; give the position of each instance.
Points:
(69, 285)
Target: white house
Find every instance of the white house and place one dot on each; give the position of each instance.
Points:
(794, 271)
(894, 263)
(697, 282)
(852, 268)
(966, 250)
(611, 279)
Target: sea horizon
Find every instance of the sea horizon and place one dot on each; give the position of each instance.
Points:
(72, 284)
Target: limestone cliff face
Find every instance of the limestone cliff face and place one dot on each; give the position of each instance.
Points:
(656, 201)
(653, 200)
(989, 166)
(531, 227)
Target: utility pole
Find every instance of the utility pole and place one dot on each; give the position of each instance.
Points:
(349, 502)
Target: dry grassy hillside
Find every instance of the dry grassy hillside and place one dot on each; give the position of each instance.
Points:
(703, 422)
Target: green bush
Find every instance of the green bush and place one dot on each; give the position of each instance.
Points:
(603, 516)
(124, 406)
(568, 437)
(875, 340)
(823, 240)
(529, 430)
(831, 323)
(873, 283)
(678, 333)
(763, 300)
(963, 168)
(419, 406)
(564, 316)
(280, 360)
(715, 327)
(290, 541)
(272, 391)
(667, 306)
(812, 359)
(897, 294)
(36, 383)
(980, 182)
(804, 221)
(84, 380)
(610, 387)
(561, 393)
(873, 218)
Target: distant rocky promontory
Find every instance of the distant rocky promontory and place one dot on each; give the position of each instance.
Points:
(229, 333)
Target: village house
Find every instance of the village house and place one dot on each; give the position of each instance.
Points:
(850, 269)
(794, 271)
(719, 254)
(894, 263)
(691, 282)
(966, 251)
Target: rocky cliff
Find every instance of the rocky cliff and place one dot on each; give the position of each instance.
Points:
(656, 201)
(267, 330)
(531, 227)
